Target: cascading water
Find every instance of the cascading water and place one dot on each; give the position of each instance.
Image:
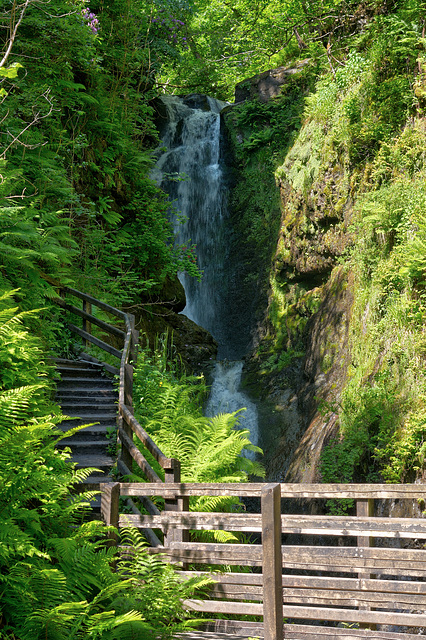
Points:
(190, 172)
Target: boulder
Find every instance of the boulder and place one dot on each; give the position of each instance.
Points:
(266, 85)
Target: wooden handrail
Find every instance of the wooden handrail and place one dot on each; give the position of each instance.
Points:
(128, 425)
(292, 491)
(342, 577)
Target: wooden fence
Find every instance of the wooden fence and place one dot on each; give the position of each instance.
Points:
(322, 574)
(121, 343)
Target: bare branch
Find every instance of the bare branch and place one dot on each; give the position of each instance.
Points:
(37, 117)
(13, 32)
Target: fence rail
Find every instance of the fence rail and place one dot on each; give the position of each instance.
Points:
(322, 574)
(317, 569)
(121, 343)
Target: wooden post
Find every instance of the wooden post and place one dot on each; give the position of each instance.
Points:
(135, 339)
(110, 494)
(125, 454)
(365, 509)
(272, 562)
(172, 474)
(87, 326)
(126, 391)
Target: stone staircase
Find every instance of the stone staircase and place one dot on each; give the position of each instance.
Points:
(86, 394)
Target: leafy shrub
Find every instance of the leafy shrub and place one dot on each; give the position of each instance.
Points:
(56, 574)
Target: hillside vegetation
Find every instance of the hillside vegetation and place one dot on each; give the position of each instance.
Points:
(329, 204)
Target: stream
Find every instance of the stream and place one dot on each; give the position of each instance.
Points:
(190, 170)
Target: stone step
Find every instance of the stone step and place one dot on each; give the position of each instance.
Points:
(84, 447)
(80, 392)
(92, 482)
(94, 432)
(97, 418)
(103, 405)
(90, 413)
(65, 362)
(80, 382)
(72, 372)
(99, 461)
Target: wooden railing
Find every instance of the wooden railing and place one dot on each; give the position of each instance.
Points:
(304, 568)
(316, 569)
(123, 347)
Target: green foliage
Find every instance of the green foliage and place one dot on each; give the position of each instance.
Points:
(57, 578)
(221, 44)
(381, 413)
(169, 406)
(79, 135)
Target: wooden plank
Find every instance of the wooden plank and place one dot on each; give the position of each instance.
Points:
(307, 553)
(110, 494)
(135, 489)
(394, 562)
(289, 490)
(364, 508)
(354, 615)
(224, 607)
(140, 460)
(388, 561)
(314, 632)
(272, 562)
(310, 613)
(320, 592)
(306, 632)
(355, 526)
(99, 343)
(97, 303)
(353, 491)
(245, 579)
(197, 489)
(87, 326)
(313, 525)
(362, 599)
(236, 592)
(212, 553)
(247, 627)
(203, 521)
(323, 597)
(172, 474)
(408, 587)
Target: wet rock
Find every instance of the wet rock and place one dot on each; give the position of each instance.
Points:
(191, 344)
(266, 85)
(197, 101)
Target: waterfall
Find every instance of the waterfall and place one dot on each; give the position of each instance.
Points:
(190, 171)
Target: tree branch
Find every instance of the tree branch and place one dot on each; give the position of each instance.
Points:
(14, 30)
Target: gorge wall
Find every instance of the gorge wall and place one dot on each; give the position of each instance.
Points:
(328, 204)
(301, 302)
(326, 218)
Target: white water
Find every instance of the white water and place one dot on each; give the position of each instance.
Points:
(192, 141)
(226, 397)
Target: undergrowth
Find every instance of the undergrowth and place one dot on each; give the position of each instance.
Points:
(169, 405)
(57, 577)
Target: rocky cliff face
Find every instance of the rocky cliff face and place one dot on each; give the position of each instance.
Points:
(299, 362)
(338, 350)
(327, 219)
